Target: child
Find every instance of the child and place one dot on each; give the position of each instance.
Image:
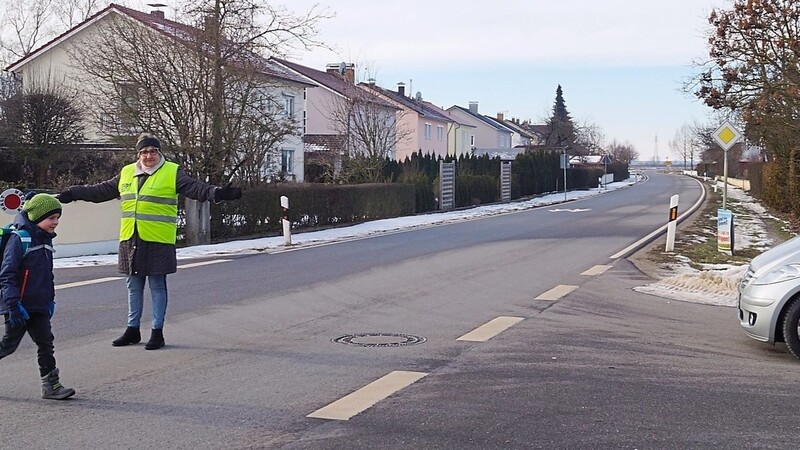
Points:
(28, 291)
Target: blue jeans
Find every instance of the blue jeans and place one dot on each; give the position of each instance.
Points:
(158, 293)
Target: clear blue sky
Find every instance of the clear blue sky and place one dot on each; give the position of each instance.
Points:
(620, 63)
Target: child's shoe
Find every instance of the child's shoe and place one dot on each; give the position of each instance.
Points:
(52, 388)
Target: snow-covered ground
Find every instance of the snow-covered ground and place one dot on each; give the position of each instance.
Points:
(713, 285)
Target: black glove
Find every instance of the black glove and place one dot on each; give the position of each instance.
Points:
(17, 316)
(227, 192)
(65, 197)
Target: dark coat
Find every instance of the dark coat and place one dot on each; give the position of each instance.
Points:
(39, 286)
(138, 257)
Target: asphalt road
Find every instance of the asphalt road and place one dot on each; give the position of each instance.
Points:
(250, 352)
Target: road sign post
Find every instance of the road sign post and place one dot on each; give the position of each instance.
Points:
(726, 136)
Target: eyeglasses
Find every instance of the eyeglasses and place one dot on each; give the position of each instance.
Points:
(148, 152)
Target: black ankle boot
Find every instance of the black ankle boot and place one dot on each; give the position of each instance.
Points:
(130, 336)
(156, 339)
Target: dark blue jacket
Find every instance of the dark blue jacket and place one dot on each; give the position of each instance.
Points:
(39, 287)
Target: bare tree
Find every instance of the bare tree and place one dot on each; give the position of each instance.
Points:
(622, 152)
(28, 27)
(685, 146)
(38, 125)
(370, 133)
(28, 24)
(72, 12)
(210, 97)
(590, 137)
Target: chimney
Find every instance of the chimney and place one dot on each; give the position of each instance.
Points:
(350, 73)
(371, 82)
(473, 107)
(500, 116)
(401, 88)
(157, 13)
(333, 68)
(346, 71)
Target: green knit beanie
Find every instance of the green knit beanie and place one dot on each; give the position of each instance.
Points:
(41, 206)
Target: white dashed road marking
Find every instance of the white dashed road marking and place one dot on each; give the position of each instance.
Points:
(490, 329)
(597, 270)
(352, 404)
(557, 292)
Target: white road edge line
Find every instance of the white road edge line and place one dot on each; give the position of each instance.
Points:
(490, 329)
(557, 292)
(203, 263)
(358, 401)
(86, 283)
(659, 230)
(597, 270)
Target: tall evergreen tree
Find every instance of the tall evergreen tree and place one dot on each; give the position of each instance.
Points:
(561, 130)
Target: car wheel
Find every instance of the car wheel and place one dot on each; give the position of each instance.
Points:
(791, 322)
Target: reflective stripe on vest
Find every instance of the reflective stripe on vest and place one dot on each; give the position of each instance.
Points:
(153, 210)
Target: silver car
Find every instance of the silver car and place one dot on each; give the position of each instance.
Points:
(769, 296)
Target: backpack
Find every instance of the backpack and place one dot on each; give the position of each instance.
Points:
(6, 232)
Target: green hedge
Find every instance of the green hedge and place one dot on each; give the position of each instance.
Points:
(258, 212)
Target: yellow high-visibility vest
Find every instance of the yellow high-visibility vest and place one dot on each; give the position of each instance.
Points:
(153, 210)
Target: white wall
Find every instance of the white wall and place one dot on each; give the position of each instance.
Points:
(88, 229)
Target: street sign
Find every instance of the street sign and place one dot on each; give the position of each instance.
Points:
(726, 135)
(606, 159)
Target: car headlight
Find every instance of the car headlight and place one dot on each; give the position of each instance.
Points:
(783, 273)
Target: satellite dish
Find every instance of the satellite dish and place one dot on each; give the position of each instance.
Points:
(418, 96)
(342, 67)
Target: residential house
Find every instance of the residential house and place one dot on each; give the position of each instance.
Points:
(540, 131)
(326, 124)
(524, 134)
(460, 136)
(490, 136)
(422, 125)
(53, 64)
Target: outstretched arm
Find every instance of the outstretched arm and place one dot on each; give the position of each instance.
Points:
(95, 193)
(201, 191)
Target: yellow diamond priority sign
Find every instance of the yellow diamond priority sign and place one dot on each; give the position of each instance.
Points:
(727, 135)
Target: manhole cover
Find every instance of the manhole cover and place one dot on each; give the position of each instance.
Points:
(379, 339)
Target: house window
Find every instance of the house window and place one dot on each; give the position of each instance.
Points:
(287, 160)
(305, 121)
(439, 133)
(288, 106)
(129, 104)
(472, 140)
(428, 129)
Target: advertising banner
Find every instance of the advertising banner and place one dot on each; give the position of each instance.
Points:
(725, 231)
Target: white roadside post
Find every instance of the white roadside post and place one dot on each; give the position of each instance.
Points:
(673, 216)
(287, 225)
